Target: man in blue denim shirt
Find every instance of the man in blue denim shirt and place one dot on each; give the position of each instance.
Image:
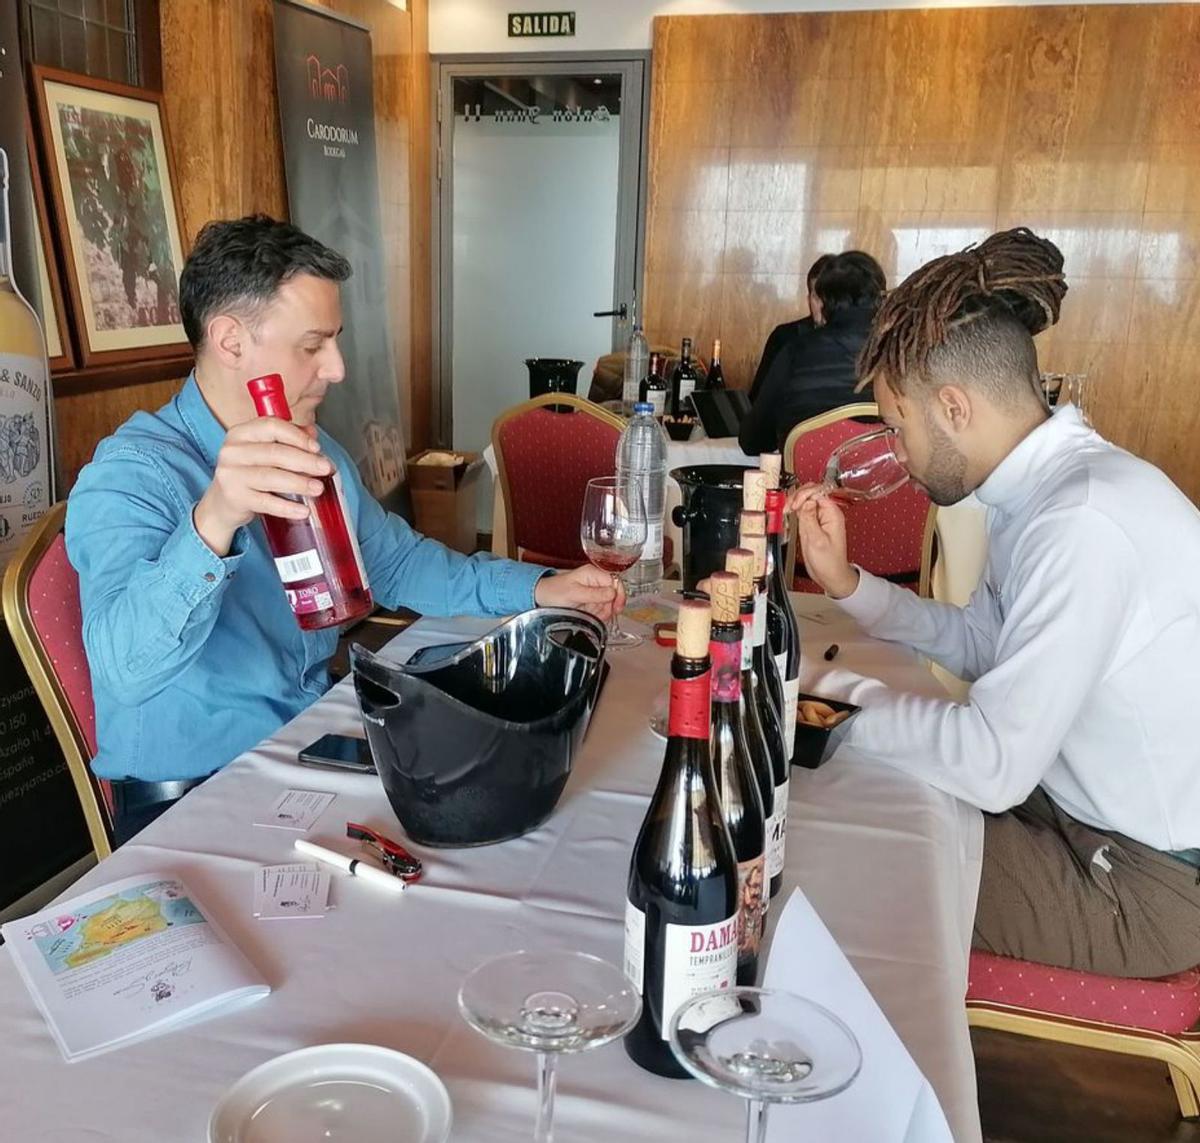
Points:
(194, 653)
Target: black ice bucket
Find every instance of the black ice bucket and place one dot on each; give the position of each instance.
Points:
(474, 742)
(552, 375)
(708, 516)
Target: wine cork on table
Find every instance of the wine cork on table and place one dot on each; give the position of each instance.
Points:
(724, 589)
(740, 561)
(771, 464)
(693, 629)
(754, 489)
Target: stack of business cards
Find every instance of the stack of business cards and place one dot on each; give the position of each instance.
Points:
(282, 891)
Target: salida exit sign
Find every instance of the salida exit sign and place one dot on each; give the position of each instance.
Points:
(541, 24)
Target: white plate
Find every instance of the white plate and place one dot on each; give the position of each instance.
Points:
(335, 1093)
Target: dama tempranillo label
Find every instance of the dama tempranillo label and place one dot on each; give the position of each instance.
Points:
(697, 958)
(691, 707)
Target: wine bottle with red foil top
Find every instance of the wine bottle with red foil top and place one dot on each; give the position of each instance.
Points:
(763, 675)
(752, 526)
(783, 632)
(681, 910)
(737, 782)
(740, 561)
(317, 559)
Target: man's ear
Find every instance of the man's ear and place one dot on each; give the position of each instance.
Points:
(955, 405)
(227, 340)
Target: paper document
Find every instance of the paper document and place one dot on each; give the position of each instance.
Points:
(296, 809)
(130, 960)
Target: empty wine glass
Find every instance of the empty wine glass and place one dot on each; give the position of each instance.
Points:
(766, 1046)
(612, 530)
(865, 467)
(549, 1002)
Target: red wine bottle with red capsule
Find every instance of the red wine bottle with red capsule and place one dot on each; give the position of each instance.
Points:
(681, 909)
(318, 558)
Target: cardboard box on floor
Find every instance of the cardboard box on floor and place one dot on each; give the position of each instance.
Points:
(444, 497)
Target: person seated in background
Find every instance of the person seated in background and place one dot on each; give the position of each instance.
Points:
(783, 335)
(195, 655)
(817, 369)
(1078, 735)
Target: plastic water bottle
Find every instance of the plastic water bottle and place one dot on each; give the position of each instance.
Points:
(642, 453)
(637, 356)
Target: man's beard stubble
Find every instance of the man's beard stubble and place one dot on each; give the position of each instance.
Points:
(946, 480)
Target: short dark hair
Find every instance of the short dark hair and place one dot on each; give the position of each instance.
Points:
(238, 265)
(849, 279)
(814, 271)
(990, 348)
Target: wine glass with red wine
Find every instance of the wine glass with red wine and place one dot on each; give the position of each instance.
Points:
(612, 530)
(865, 467)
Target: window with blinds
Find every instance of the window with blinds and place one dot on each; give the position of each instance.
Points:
(106, 39)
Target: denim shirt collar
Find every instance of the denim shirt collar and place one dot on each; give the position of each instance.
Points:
(203, 427)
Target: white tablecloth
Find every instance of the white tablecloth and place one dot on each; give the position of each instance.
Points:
(890, 864)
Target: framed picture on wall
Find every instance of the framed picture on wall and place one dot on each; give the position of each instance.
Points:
(50, 296)
(112, 199)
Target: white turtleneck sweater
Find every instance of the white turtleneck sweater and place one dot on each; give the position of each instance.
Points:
(1081, 642)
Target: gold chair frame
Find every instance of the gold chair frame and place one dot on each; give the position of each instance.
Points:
(580, 405)
(1181, 1053)
(846, 412)
(46, 685)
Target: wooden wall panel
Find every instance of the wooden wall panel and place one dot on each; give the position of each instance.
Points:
(910, 134)
(219, 87)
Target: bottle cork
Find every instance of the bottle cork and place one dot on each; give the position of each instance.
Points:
(754, 489)
(758, 545)
(771, 463)
(740, 561)
(752, 524)
(693, 629)
(724, 588)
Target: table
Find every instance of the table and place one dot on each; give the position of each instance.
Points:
(890, 864)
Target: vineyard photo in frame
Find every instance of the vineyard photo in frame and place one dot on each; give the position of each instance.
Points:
(111, 186)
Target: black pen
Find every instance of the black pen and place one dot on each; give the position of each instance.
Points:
(831, 651)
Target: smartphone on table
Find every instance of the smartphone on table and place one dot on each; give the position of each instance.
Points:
(339, 752)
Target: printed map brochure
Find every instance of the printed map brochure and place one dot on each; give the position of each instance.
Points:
(127, 961)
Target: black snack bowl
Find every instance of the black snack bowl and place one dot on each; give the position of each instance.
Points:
(474, 743)
(814, 744)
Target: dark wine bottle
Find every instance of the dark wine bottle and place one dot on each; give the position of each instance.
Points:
(768, 695)
(683, 381)
(653, 389)
(783, 632)
(737, 783)
(740, 561)
(716, 375)
(681, 911)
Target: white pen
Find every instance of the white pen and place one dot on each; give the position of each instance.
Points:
(356, 867)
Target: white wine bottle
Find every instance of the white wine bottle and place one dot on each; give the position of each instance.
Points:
(24, 401)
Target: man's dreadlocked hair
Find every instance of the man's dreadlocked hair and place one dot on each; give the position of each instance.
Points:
(974, 312)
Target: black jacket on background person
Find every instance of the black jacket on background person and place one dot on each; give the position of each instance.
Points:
(780, 338)
(814, 372)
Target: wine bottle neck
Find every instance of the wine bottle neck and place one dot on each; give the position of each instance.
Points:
(6, 270)
(725, 650)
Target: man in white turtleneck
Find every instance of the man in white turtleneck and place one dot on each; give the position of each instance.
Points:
(1081, 643)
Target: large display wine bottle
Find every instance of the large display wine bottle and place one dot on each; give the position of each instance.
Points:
(768, 696)
(25, 446)
(740, 561)
(317, 558)
(737, 783)
(783, 632)
(681, 911)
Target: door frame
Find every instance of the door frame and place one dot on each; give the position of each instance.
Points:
(634, 68)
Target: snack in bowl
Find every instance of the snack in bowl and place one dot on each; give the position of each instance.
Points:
(820, 714)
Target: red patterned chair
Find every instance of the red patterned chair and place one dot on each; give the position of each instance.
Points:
(41, 608)
(892, 537)
(1152, 1018)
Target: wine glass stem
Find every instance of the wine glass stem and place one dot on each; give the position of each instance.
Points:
(546, 1077)
(756, 1121)
(614, 628)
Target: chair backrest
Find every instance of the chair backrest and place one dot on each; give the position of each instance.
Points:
(892, 537)
(42, 610)
(547, 450)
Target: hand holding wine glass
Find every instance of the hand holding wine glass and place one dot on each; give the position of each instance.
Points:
(612, 530)
(821, 530)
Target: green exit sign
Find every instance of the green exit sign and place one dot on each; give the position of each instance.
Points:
(528, 24)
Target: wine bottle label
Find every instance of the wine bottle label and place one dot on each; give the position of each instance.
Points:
(657, 398)
(781, 664)
(351, 530)
(691, 707)
(300, 566)
(750, 906)
(697, 958)
(687, 386)
(652, 549)
(791, 702)
(635, 945)
(309, 599)
(777, 831)
(747, 642)
(24, 447)
(760, 618)
(726, 671)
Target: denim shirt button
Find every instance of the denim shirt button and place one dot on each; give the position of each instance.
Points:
(209, 577)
